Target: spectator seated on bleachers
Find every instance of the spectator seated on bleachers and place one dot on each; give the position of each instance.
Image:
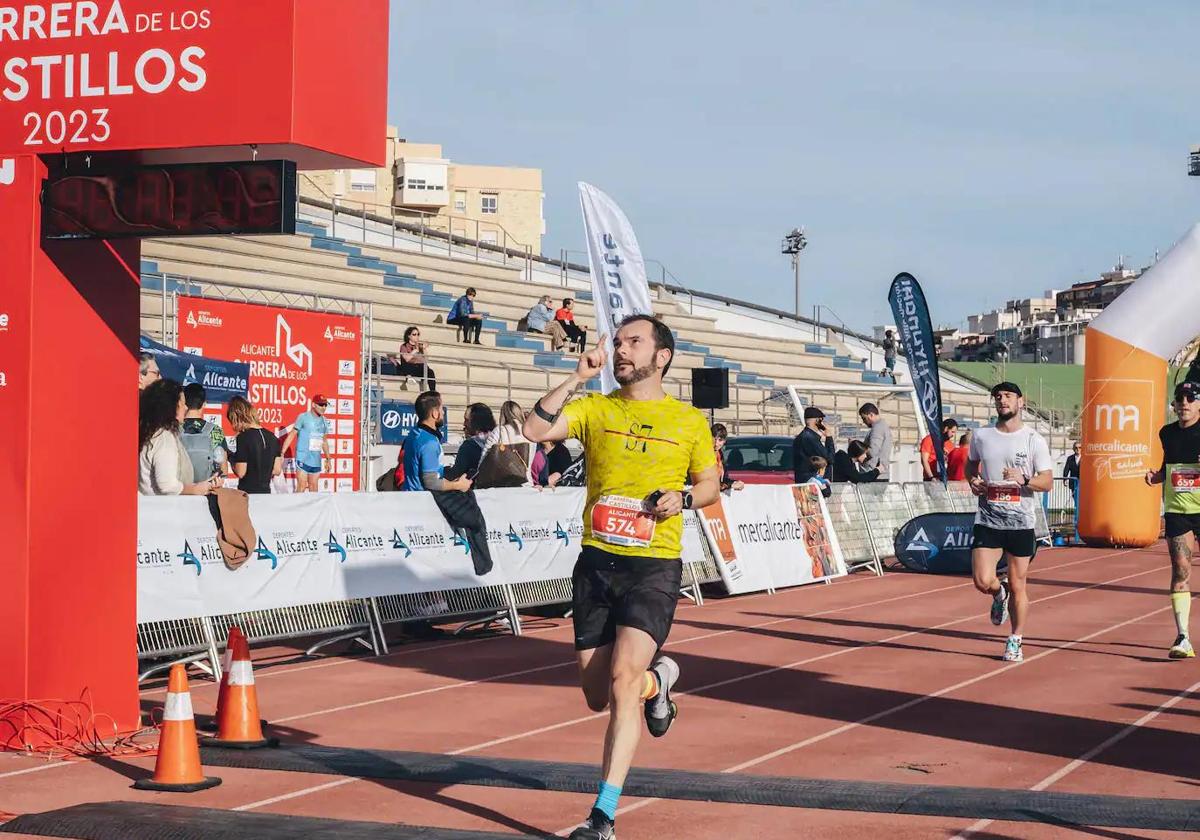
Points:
(463, 315)
(566, 319)
(541, 320)
(411, 359)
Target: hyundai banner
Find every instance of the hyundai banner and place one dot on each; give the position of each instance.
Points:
(916, 337)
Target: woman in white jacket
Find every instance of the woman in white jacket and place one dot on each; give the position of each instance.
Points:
(164, 468)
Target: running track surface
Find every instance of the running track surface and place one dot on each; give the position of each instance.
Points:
(892, 679)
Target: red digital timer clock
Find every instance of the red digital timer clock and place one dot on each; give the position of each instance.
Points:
(199, 199)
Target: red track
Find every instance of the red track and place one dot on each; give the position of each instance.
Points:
(877, 679)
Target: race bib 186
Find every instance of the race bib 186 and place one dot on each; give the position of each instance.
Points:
(1004, 494)
(619, 520)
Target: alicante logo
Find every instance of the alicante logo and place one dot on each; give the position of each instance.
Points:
(399, 544)
(513, 537)
(920, 542)
(190, 558)
(460, 540)
(191, 319)
(264, 553)
(335, 547)
(339, 334)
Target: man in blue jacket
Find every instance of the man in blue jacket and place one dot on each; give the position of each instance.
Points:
(463, 315)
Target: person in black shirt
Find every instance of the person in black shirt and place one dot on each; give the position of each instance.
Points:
(847, 464)
(555, 461)
(257, 457)
(814, 441)
(1180, 477)
(478, 423)
(1071, 470)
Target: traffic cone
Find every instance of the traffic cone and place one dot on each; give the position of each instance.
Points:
(238, 724)
(177, 768)
(226, 661)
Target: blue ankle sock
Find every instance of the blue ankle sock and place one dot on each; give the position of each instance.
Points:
(606, 802)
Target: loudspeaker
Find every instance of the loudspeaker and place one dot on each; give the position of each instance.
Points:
(710, 387)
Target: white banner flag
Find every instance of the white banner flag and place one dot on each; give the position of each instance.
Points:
(619, 286)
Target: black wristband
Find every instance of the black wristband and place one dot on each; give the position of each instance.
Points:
(545, 415)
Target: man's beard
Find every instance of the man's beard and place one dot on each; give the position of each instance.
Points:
(1005, 416)
(632, 375)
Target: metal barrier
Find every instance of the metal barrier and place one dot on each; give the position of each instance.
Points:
(849, 520)
(885, 508)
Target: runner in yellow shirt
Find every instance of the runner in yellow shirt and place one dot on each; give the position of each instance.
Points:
(641, 447)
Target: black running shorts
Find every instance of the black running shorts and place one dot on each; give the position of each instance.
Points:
(1020, 543)
(1179, 524)
(612, 590)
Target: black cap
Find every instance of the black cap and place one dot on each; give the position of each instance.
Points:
(813, 413)
(1011, 387)
(1190, 390)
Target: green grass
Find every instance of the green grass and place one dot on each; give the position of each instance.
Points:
(1057, 387)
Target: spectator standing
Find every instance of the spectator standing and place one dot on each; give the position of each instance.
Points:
(720, 436)
(879, 441)
(203, 439)
(147, 370)
(849, 463)
(551, 461)
(463, 315)
(889, 355)
(929, 465)
(541, 320)
(956, 461)
(566, 317)
(1071, 470)
(312, 449)
(256, 458)
(478, 423)
(164, 468)
(814, 441)
(412, 361)
(423, 449)
(820, 467)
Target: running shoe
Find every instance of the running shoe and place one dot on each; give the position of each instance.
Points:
(1000, 606)
(597, 827)
(1012, 650)
(660, 710)
(1182, 649)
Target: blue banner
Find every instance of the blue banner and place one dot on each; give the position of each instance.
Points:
(916, 337)
(221, 380)
(396, 419)
(937, 543)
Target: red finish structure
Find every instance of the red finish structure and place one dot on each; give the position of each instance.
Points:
(138, 82)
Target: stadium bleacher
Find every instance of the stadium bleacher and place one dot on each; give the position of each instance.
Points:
(405, 288)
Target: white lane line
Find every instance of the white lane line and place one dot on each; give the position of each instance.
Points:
(564, 724)
(570, 662)
(39, 768)
(1058, 775)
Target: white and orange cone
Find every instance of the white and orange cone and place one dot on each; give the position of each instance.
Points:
(238, 724)
(177, 768)
(226, 661)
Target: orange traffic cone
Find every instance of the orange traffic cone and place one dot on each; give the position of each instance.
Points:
(238, 724)
(177, 768)
(226, 661)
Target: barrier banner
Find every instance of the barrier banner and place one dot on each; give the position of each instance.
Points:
(293, 354)
(396, 419)
(911, 312)
(938, 543)
(770, 536)
(222, 380)
(314, 548)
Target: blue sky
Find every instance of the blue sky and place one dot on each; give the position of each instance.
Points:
(994, 150)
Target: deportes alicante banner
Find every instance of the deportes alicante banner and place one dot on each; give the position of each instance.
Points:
(911, 312)
(293, 355)
(221, 380)
(317, 548)
(767, 537)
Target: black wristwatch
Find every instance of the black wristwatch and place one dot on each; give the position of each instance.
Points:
(1024, 481)
(687, 500)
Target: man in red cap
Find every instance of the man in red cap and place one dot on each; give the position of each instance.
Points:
(312, 449)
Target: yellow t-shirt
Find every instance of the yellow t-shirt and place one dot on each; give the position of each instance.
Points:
(634, 447)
